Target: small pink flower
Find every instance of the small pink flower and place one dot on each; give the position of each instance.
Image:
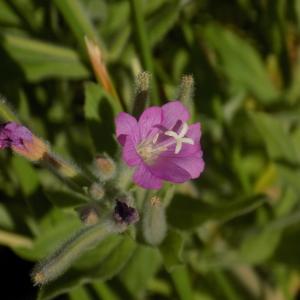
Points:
(161, 145)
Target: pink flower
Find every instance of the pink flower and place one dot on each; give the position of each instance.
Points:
(161, 145)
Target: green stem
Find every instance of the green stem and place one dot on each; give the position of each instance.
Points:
(67, 171)
(225, 285)
(143, 43)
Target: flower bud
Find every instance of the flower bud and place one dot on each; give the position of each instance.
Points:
(34, 150)
(21, 140)
(125, 214)
(105, 166)
(186, 89)
(89, 214)
(96, 191)
(141, 93)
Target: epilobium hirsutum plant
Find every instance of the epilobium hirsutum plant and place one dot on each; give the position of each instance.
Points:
(160, 145)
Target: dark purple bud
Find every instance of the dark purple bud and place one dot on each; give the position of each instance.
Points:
(125, 214)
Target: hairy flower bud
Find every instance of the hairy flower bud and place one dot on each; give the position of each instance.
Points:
(106, 167)
(89, 214)
(125, 214)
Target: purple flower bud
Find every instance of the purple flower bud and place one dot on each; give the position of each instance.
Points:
(13, 134)
(161, 145)
(22, 141)
(125, 214)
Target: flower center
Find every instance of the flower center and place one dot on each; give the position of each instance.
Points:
(150, 148)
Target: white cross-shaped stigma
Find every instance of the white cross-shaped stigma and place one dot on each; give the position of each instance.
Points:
(180, 138)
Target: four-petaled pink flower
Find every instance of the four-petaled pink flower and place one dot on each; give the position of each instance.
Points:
(161, 145)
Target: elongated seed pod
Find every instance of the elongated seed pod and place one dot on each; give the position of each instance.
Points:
(58, 262)
(154, 221)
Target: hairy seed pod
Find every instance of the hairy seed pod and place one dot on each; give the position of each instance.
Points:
(86, 238)
(154, 221)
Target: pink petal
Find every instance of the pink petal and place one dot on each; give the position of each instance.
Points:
(194, 132)
(144, 178)
(129, 154)
(194, 165)
(165, 168)
(151, 117)
(172, 112)
(126, 125)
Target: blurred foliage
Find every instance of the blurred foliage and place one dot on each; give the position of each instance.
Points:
(233, 233)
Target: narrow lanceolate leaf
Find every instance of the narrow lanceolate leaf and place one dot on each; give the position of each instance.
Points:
(186, 213)
(277, 140)
(171, 249)
(64, 198)
(182, 282)
(241, 63)
(39, 60)
(77, 19)
(162, 21)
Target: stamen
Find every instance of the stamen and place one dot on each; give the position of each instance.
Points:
(155, 138)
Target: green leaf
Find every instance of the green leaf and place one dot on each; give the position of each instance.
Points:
(288, 250)
(103, 291)
(79, 293)
(6, 112)
(99, 113)
(182, 282)
(40, 60)
(77, 18)
(277, 140)
(187, 213)
(26, 175)
(51, 236)
(162, 21)
(140, 269)
(66, 198)
(106, 268)
(259, 246)
(240, 62)
(7, 15)
(171, 249)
